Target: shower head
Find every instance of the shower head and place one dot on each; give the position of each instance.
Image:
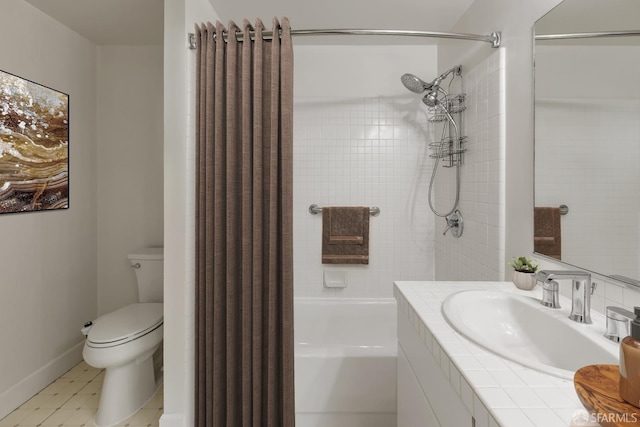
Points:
(431, 99)
(415, 84)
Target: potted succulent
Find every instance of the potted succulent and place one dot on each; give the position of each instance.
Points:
(525, 269)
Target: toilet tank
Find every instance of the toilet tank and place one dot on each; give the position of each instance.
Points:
(148, 265)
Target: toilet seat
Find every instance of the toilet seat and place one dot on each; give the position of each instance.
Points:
(125, 325)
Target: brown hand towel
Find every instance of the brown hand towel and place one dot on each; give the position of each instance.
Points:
(345, 235)
(547, 235)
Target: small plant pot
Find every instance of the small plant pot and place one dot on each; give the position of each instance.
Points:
(524, 281)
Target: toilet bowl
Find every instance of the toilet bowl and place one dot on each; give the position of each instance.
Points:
(124, 341)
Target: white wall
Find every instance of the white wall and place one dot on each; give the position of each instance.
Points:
(48, 286)
(360, 140)
(130, 170)
(179, 208)
(116, 198)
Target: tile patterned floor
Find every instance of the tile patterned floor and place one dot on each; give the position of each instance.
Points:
(72, 400)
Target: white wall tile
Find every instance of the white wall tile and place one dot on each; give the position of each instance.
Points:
(480, 249)
(361, 165)
(359, 140)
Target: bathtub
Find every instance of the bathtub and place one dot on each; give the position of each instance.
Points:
(345, 362)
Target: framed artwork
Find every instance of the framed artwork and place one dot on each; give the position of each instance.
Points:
(34, 146)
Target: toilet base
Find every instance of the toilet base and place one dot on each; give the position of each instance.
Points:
(125, 390)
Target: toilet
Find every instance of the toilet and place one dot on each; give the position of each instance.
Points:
(124, 341)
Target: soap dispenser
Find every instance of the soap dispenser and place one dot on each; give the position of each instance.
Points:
(630, 363)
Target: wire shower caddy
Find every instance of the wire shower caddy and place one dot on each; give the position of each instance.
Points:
(451, 146)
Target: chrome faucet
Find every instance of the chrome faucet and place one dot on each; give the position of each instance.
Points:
(581, 290)
(618, 323)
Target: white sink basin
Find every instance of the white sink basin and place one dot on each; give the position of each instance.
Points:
(518, 328)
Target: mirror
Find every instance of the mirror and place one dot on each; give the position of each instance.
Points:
(587, 137)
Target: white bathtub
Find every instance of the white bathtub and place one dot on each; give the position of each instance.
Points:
(345, 362)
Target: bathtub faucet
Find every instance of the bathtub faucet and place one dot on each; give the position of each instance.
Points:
(581, 291)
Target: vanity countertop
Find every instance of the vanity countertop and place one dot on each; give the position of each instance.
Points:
(496, 391)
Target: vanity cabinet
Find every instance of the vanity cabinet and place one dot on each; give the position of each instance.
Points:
(425, 395)
(445, 380)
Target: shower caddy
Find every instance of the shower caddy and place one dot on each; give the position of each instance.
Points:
(451, 146)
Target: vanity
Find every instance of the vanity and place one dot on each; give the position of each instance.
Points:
(446, 379)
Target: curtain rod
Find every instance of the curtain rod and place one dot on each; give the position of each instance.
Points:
(493, 38)
(587, 35)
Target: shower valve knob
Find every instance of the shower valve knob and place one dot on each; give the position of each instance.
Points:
(450, 224)
(454, 223)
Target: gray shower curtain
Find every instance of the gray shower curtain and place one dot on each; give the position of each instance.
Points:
(244, 266)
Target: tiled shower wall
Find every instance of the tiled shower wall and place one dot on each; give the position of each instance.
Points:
(479, 253)
(360, 140)
(363, 152)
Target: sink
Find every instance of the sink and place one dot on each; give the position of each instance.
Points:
(519, 329)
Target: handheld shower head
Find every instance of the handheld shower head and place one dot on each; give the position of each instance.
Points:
(415, 84)
(431, 99)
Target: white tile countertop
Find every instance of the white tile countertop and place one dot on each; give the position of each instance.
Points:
(496, 391)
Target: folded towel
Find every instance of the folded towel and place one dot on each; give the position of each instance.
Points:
(547, 235)
(345, 235)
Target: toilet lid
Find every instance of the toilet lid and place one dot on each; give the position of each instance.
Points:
(126, 324)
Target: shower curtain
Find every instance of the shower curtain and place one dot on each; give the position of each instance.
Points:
(244, 266)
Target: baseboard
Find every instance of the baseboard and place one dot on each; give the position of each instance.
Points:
(172, 420)
(346, 419)
(19, 393)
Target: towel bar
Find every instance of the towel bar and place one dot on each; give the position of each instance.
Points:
(315, 210)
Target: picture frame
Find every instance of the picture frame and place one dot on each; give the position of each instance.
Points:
(34, 146)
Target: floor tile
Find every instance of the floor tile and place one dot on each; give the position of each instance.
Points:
(36, 401)
(72, 401)
(92, 387)
(56, 401)
(15, 417)
(76, 401)
(37, 417)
